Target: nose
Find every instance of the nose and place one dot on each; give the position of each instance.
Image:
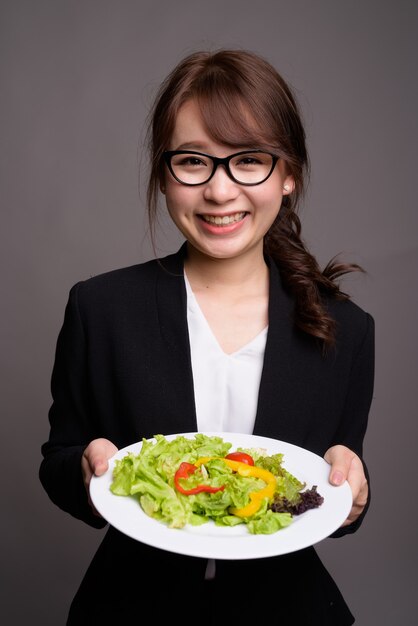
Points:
(221, 188)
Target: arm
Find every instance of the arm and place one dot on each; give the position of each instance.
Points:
(70, 421)
(346, 459)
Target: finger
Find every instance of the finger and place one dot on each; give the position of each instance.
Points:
(340, 458)
(358, 483)
(98, 453)
(95, 461)
(99, 464)
(346, 465)
(87, 480)
(356, 477)
(89, 462)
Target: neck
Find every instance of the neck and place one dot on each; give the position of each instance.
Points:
(245, 271)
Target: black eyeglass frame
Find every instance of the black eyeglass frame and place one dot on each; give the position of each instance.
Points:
(168, 154)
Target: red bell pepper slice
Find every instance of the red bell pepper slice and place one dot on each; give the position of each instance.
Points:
(241, 457)
(184, 471)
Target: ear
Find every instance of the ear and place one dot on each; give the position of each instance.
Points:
(162, 187)
(288, 185)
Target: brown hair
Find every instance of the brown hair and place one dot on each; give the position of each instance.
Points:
(228, 86)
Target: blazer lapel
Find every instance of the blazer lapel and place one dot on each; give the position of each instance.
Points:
(282, 401)
(277, 413)
(172, 316)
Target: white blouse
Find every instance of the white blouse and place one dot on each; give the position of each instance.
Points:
(226, 385)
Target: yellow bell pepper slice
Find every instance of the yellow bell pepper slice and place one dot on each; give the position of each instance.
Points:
(256, 497)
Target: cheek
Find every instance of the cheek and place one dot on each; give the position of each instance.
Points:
(180, 199)
(268, 199)
(171, 199)
(178, 204)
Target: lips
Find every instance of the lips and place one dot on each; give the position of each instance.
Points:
(223, 220)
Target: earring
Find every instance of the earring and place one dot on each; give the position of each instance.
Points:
(286, 188)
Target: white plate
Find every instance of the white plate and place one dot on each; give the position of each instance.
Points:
(218, 542)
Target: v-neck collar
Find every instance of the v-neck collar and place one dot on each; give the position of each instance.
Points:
(279, 367)
(194, 306)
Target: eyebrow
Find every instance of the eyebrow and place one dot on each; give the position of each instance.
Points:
(199, 146)
(192, 145)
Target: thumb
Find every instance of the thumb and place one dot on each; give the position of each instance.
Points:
(98, 453)
(340, 458)
(99, 464)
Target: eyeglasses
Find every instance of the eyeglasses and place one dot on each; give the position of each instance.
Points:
(249, 167)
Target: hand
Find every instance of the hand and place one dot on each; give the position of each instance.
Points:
(346, 465)
(95, 461)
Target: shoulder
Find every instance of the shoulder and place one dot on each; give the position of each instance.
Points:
(354, 325)
(118, 278)
(115, 285)
(118, 287)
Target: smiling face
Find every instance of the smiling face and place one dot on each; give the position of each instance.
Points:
(221, 218)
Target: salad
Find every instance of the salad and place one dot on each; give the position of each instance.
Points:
(191, 481)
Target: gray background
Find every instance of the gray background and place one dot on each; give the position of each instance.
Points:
(77, 80)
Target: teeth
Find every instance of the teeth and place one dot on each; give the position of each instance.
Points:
(223, 221)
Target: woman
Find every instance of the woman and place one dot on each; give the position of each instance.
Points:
(238, 331)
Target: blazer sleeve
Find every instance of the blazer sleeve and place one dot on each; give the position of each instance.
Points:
(69, 418)
(353, 425)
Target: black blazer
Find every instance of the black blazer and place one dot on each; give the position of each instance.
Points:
(123, 371)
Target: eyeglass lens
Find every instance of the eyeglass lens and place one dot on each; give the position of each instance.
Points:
(248, 168)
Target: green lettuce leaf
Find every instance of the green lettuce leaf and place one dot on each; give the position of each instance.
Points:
(149, 477)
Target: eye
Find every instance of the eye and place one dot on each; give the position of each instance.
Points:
(193, 161)
(247, 160)
(251, 159)
(189, 160)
